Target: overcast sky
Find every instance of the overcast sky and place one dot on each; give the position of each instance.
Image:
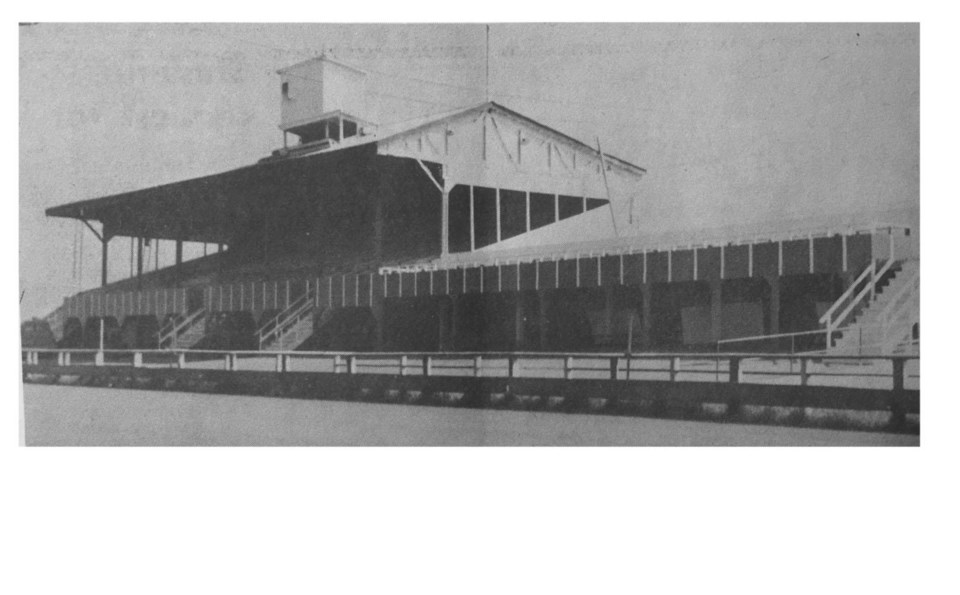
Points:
(735, 123)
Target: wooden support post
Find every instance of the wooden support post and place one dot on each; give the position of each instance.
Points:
(608, 308)
(646, 320)
(519, 322)
(734, 370)
(139, 263)
(716, 309)
(898, 414)
(378, 222)
(103, 259)
(527, 226)
(445, 220)
(843, 243)
(178, 262)
(378, 313)
(473, 224)
(498, 210)
(773, 322)
(443, 324)
(543, 303)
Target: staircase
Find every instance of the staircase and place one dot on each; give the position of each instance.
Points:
(291, 327)
(183, 332)
(882, 322)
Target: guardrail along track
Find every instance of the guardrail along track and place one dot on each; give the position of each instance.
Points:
(607, 382)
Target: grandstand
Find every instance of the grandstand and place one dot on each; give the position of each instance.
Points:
(480, 229)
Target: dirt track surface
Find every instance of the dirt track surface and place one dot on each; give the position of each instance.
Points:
(80, 416)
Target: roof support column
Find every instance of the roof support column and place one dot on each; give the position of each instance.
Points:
(104, 243)
(139, 263)
(104, 238)
(445, 215)
(179, 260)
(646, 317)
(542, 320)
(519, 322)
(716, 309)
(773, 316)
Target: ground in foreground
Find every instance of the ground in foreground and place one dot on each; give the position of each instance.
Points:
(68, 416)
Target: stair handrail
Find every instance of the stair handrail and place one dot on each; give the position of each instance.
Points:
(791, 335)
(870, 287)
(846, 294)
(290, 315)
(164, 335)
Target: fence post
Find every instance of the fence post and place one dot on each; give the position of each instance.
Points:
(98, 358)
(674, 368)
(181, 360)
(804, 375)
(66, 358)
(898, 413)
(279, 362)
(427, 365)
(137, 359)
(477, 365)
(352, 364)
(614, 364)
(567, 365)
(734, 370)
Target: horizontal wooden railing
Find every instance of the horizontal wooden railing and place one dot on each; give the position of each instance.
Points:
(883, 372)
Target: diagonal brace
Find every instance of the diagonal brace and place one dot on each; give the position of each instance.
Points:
(430, 175)
(95, 232)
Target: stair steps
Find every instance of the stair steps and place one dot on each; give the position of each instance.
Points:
(183, 332)
(884, 324)
(290, 328)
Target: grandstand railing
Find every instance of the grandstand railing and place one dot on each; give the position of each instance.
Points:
(873, 372)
